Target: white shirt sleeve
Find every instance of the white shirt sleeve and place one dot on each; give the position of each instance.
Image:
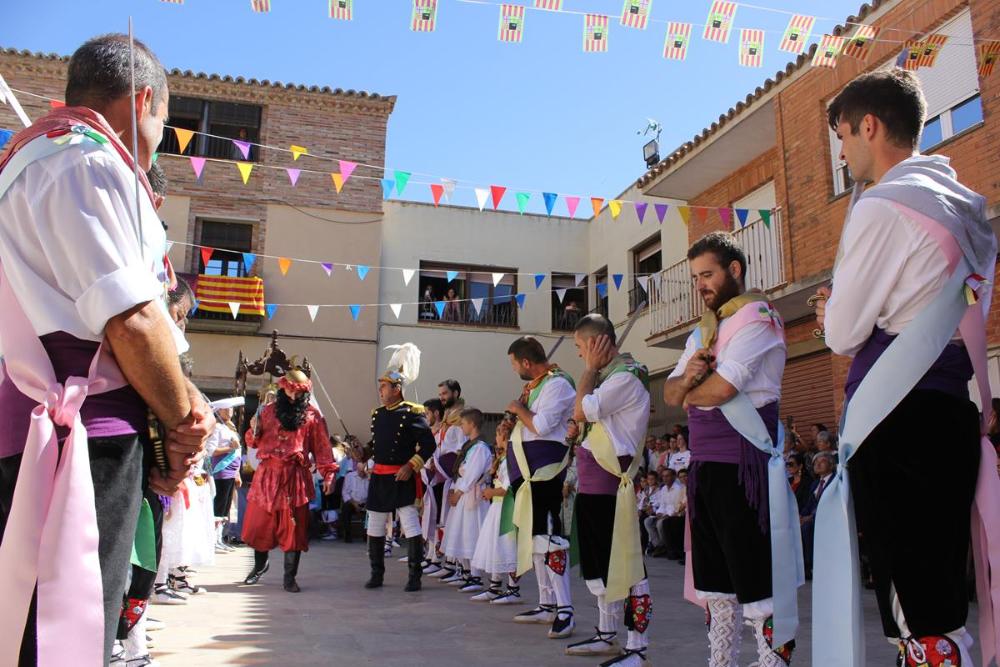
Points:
(875, 248)
(746, 351)
(85, 223)
(689, 350)
(616, 393)
(555, 400)
(476, 462)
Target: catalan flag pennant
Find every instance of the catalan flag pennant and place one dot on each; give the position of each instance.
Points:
(260, 6)
(751, 47)
(595, 33)
(797, 33)
(342, 10)
(424, 16)
(719, 23)
(678, 37)
(215, 294)
(511, 24)
(932, 47)
(859, 45)
(551, 5)
(635, 13)
(174, 2)
(912, 50)
(828, 52)
(989, 54)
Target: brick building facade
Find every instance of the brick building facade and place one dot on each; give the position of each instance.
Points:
(779, 136)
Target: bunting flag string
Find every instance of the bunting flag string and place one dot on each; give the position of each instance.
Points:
(424, 16)
(751, 47)
(719, 23)
(260, 7)
(989, 54)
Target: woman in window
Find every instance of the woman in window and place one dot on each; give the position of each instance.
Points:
(452, 312)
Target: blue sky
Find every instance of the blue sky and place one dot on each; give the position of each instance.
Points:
(539, 116)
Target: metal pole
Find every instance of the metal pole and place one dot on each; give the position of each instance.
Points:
(135, 139)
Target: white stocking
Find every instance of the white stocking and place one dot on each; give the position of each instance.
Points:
(725, 625)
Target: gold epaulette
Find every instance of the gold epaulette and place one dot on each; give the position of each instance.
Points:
(415, 408)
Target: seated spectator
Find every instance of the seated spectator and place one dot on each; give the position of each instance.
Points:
(823, 466)
(354, 494)
(681, 459)
(648, 486)
(666, 526)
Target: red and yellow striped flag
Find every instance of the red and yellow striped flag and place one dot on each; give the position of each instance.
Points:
(551, 5)
(511, 23)
(912, 50)
(720, 21)
(635, 13)
(932, 47)
(751, 47)
(828, 51)
(215, 293)
(678, 38)
(260, 6)
(595, 33)
(424, 16)
(797, 33)
(342, 10)
(861, 43)
(989, 54)
(174, 2)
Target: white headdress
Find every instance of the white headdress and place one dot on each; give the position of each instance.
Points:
(404, 365)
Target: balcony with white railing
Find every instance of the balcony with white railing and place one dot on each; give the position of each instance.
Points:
(673, 301)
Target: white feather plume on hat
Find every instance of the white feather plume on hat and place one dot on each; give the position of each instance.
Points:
(404, 365)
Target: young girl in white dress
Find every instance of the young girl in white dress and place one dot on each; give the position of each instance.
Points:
(466, 500)
(496, 553)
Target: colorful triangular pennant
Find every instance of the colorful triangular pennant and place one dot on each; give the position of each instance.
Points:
(571, 204)
(270, 309)
(539, 279)
(451, 275)
(685, 212)
(437, 191)
(297, 151)
(765, 215)
(439, 307)
(497, 277)
(661, 211)
(520, 300)
(408, 275)
(497, 192)
(362, 271)
(284, 264)
(602, 290)
(206, 256)
(522, 201)
(245, 169)
(234, 308)
(477, 305)
(293, 175)
(482, 195)
(402, 178)
(244, 148)
(248, 259)
(338, 182)
(561, 293)
(347, 168)
(355, 311)
(617, 277)
(313, 310)
(328, 267)
(597, 203)
(640, 210)
(550, 201)
(183, 138)
(396, 309)
(726, 215)
(198, 165)
(616, 208)
(387, 185)
(741, 215)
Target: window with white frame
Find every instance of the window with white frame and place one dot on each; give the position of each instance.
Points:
(951, 88)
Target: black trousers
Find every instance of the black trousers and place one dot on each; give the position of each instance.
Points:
(913, 482)
(224, 489)
(119, 474)
(729, 551)
(546, 504)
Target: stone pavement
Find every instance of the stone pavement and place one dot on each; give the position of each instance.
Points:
(335, 622)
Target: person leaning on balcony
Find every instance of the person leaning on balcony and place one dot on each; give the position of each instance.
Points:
(892, 264)
(85, 286)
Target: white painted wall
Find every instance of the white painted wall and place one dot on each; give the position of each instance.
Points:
(477, 357)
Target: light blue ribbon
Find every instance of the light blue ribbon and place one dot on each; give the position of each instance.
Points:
(224, 463)
(787, 567)
(838, 636)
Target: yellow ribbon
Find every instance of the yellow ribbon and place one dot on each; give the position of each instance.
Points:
(626, 566)
(710, 319)
(523, 515)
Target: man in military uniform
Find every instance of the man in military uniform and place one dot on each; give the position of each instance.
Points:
(401, 443)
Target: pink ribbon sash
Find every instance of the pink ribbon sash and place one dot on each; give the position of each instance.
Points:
(51, 534)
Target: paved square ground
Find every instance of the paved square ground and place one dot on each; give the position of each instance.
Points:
(335, 622)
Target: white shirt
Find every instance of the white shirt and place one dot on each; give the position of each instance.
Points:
(680, 460)
(221, 436)
(452, 441)
(668, 500)
(753, 361)
(889, 270)
(553, 408)
(69, 247)
(621, 405)
(355, 488)
(477, 462)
